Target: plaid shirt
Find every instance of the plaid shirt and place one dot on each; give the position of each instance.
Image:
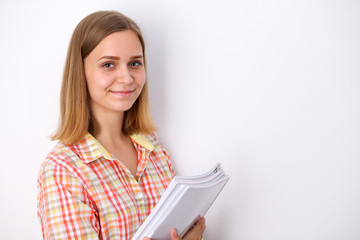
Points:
(85, 193)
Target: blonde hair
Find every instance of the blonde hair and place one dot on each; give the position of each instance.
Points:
(75, 114)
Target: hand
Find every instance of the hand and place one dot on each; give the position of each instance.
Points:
(194, 234)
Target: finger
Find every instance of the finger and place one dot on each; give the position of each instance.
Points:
(200, 226)
(146, 238)
(197, 231)
(174, 235)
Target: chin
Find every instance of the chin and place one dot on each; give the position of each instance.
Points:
(124, 108)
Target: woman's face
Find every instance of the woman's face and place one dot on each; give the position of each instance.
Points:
(115, 72)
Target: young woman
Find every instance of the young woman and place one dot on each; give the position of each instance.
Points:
(108, 170)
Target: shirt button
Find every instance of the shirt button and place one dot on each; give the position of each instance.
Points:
(139, 196)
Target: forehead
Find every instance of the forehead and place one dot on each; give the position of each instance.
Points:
(124, 43)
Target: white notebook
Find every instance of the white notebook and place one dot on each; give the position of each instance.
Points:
(183, 202)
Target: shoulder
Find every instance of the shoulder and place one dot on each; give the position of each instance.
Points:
(153, 139)
(61, 153)
(159, 153)
(62, 172)
(62, 158)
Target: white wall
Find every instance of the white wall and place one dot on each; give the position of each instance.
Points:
(268, 88)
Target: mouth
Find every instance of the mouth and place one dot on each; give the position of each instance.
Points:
(123, 93)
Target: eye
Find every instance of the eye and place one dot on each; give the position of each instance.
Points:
(108, 65)
(136, 64)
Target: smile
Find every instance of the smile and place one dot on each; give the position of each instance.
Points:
(124, 93)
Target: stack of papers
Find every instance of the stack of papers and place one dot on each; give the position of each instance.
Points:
(184, 201)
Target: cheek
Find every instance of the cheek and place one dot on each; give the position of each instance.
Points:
(141, 79)
(91, 85)
(97, 81)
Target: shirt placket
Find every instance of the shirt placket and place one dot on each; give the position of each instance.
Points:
(139, 194)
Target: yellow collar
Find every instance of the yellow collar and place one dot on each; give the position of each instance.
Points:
(138, 138)
(142, 140)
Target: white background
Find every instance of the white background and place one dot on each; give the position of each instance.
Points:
(268, 88)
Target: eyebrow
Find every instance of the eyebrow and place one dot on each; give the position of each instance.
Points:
(109, 57)
(117, 58)
(137, 57)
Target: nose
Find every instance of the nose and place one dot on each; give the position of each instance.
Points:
(124, 75)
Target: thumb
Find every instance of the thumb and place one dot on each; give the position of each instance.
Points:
(174, 235)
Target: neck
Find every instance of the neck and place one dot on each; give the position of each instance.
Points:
(110, 126)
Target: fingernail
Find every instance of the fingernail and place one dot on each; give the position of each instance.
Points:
(174, 233)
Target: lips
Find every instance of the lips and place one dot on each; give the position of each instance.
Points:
(123, 93)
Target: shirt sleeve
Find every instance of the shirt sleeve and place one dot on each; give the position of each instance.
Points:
(168, 161)
(65, 209)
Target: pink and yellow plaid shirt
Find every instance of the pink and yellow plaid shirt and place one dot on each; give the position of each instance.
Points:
(85, 193)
